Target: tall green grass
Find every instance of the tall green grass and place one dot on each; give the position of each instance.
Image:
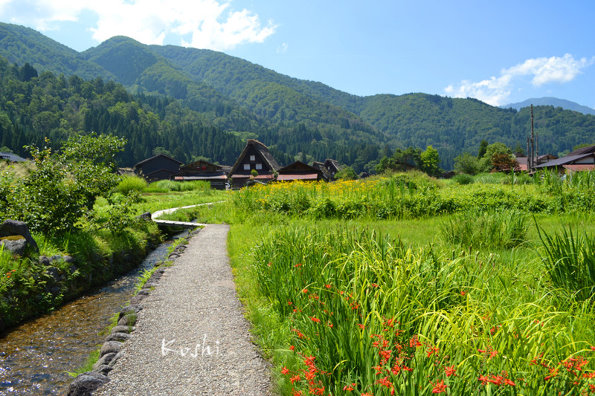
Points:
(364, 311)
(569, 257)
(494, 229)
(170, 185)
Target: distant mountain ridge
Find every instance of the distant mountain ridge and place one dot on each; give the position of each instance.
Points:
(302, 119)
(551, 101)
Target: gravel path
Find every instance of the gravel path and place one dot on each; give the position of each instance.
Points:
(191, 337)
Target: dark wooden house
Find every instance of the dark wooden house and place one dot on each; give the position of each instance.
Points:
(255, 156)
(299, 171)
(216, 175)
(159, 167)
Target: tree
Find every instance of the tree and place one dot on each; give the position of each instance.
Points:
(346, 173)
(429, 161)
(466, 163)
(497, 157)
(483, 146)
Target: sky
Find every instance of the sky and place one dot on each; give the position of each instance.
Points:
(499, 52)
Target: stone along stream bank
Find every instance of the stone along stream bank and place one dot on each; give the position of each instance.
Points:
(36, 356)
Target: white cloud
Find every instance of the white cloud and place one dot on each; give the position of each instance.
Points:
(496, 90)
(211, 24)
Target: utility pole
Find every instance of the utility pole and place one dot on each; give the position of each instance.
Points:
(532, 147)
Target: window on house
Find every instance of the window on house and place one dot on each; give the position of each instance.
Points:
(252, 158)
(246, 166)
(258, 166)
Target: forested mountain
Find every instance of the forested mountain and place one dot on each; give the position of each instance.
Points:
(34, 107)
(298, 119)
(549, 101)
(20, 45)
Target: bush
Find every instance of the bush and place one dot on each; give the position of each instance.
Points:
(131, 183)
(463, 178)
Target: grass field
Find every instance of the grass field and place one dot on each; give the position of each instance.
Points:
(494, 297)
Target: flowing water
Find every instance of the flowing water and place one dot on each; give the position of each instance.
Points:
(36, 356)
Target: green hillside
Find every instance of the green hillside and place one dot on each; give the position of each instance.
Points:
(298, 119)
(20, 45)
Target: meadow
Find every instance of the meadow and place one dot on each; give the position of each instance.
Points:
(409, 285)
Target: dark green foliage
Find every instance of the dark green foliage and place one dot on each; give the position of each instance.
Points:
(56, 107)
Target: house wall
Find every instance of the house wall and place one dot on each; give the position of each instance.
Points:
(587, 160)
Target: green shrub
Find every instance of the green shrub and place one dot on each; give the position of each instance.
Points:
(131, 183)
(463, 178)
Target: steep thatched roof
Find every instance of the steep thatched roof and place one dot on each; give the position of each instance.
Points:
(262, 150)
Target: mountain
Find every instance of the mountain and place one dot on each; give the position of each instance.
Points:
(297, 119)
(20, 45)
(549, 101)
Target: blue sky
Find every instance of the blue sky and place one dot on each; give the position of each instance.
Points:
(497, 51)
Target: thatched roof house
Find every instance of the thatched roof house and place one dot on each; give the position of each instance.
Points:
(255, 156)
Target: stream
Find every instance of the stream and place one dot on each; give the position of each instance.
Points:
(36, 356)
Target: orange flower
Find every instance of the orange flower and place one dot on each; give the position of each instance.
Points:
(432, 351)
(327, 286)
(414, 342)
(439, 387)
(291, 347)
(295, 378)
(284, 370)
(349, 387)
(553, 373)
(450, 371)
(385, 382)
(314, 319)
(361, 326)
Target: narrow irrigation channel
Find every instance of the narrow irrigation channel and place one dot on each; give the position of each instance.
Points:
(36, 356)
